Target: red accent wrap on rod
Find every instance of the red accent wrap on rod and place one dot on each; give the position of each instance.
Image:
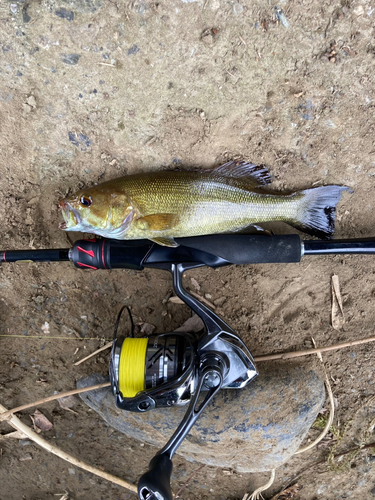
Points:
(86, 265)
(103, 261)
(89, 252)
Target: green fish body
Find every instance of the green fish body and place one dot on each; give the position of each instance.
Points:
(164, 205)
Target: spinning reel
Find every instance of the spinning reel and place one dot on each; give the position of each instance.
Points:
(176, 369)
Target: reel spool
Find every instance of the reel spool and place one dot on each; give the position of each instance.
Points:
(176, 369)
(145, 371)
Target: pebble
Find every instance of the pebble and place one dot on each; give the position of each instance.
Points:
(237, 9)
(220, 301)
(71, 59)
(25, 442)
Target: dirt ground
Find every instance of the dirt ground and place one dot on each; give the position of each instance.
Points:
(91, 90)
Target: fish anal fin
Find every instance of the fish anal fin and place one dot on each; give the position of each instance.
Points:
(165, 242)
(251, 229)
(158, 222)
(256, 175)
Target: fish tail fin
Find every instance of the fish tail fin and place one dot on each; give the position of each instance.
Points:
(316, 210)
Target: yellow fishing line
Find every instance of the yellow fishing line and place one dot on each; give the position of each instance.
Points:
(131, 373)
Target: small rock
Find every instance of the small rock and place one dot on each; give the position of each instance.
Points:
(68, 402)
(176, 300)
(71, 59)
(195, 284)
(26, 108)
(65, 14)
(133, 50)
(45, 327)
(207, 37)
(220, 301)
(31, 101)
(81, 141)
(193, 325)
(25, 442)
(147, 328)
(237, 8)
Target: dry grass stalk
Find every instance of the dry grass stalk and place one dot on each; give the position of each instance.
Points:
(106, 346)
(7, 413)
(307, 352)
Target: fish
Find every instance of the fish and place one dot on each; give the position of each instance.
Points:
(168, 204)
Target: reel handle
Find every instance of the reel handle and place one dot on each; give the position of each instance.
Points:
(155, 483)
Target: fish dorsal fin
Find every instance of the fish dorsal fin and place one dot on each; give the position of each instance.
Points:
(165, 242)
(257, 175)
(157, 222)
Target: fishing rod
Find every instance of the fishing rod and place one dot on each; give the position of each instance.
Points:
(213, 250)
(176, 369)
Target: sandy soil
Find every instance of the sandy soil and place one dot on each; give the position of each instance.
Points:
(91, 90)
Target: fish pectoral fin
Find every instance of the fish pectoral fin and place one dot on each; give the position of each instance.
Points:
(165, 242)
(158, 222)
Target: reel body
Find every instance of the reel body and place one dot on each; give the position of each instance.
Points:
(175, 369)
(171, 363)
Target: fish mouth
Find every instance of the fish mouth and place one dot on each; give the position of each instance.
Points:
(71, 217)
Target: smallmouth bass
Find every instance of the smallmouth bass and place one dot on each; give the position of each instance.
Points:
(164, 205)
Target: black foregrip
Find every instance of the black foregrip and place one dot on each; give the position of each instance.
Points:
(110, 254)
(248, 249)
(157, 480)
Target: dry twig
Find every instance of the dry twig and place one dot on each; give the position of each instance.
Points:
(107, 346)
(202, 299)
(7, 413)
(307, 352)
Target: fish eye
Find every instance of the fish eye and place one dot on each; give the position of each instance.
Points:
(85, 201)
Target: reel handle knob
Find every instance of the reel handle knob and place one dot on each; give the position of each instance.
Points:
(155, 483)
